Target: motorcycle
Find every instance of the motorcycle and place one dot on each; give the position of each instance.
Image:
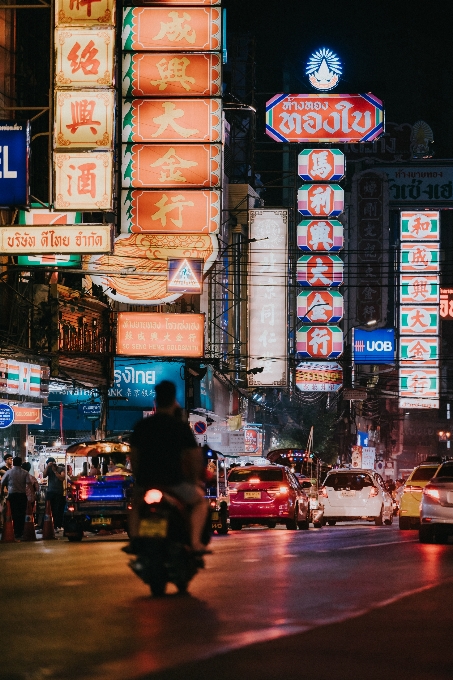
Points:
(162, 545)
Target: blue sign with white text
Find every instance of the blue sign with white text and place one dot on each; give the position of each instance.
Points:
(134, 381)
(14, 153)
(374, 347)
(6, 416)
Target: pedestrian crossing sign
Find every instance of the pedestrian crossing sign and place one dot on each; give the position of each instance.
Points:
(185, 276)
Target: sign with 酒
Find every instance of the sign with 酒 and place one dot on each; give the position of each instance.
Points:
(320, 235)
(420, 226)
(170, 211)
(84, 119)
(147, 74)
(320, 306)
(320, 200)
(83, 181)
(319, 376)
(172, 120)
(14, 156)
(321, 165)
(84, 57)
(93, 238)
(165, 29)
(374, 346)
(160, 334)
(423, 289)
(305, 118)
(320, 271)
(152, 166)
(319, 342)
(84, 13)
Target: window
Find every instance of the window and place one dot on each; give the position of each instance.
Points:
(445, 470)
(343, 480)
(264, 475)
(423, 474)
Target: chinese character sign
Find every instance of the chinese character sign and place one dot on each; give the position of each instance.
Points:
(320, 200)
(322, 376)
(84, 119)
(420, 226)
(320, 306)
(84, 12)
(419, 289)
(83, 181)
(267, 297)
(319, 342)
(320, 235)
(419, 387)
(419, 350)
(84, 58)
(322, 165)
(177, 335)
(320, 271)
(419, 257)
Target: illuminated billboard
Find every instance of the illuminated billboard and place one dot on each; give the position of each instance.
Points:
(84, 119)
(321, 376)
(83, 181)
(320, 200)
(322, 165)
(320, 235)
(160, 334)
(93, 238)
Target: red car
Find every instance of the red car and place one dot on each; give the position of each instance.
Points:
(267, 495)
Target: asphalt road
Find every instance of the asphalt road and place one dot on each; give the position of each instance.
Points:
(331, 603)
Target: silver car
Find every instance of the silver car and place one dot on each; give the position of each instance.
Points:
(436, 508)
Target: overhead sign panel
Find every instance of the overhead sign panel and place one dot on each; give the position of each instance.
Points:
(419, 257)
(374, 347)
(14, 155)
(320, 271)
(84, 57)
(83, 181)
(319, 342)
(418, 320)
(446, 303)
(84, 119)
(160, 335)
(324, 376)
(420, 226)
(422, 351)
(136, 379)
(305, 118)
(322, 165)
(320, 306)
(320, 200)
(419, 387)
(320, 235)
(93, 238)
(419, 289)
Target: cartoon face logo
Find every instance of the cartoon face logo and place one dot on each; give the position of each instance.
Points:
(324, 69)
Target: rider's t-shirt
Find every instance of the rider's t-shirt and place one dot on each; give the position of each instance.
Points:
(160, 441)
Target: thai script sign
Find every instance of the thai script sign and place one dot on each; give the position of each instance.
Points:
(84, 57)
(320, 235)
(171, 165)
(14, 154)
(170, 211)
(147, 74)
(420, 226)
(135, 380)
(84, 119)
(321, 376)
(93, 238)
(83, 181)
(446, 303)
(320, 200)
(333, 118)
(423, 185)
(325, 306)
(319, 342)
(322, 165)
(267, 296)
(158, 28)
(160, 335)
(419, 388)
(27, 415)
(320, 271)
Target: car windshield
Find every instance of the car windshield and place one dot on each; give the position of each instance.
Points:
(265, 475)
(445, 471)
(351, 481)
(423, 474)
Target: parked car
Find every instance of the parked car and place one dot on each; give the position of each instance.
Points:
(409, 510)
(355, 494)
(267, 495)
(436, 509)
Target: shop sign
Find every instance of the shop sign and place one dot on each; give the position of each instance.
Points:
(354, 395)
(320, 271)
(267, 297)
(83, 181)
(49, 260)
(424, 289)
(92, 238)
(152, 166)
(419, 257)
(185, 276)
(136, 379)
(323, 69)
(320, 235)
(160, 29)
(419, 387)
(160, 334)
(6, 416)
(368, 457)
(446, 303)
(170, 211)
(84, 58)
(84, 13)
(14, 155)
(84, 119)
(374, 347)
(27, 415)
(419, 350)
(146, 74)
(356, 456)
(320, 306)
(251, 440)
(324, 376)
(322, 165)
(319, 342)
(172, 120)
(19, 377)
(91, 411)
(320, 200)
(134, 249)
(420, 226)
(411, 184)
(306, 118)
(418, 320)
(39, 216)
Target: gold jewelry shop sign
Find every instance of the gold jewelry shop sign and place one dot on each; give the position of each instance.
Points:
(81, 239)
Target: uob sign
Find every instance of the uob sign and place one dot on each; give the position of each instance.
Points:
(374, 347)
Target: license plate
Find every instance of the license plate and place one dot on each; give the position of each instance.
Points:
(347, 493)
(101, 520)
(154, 527)
(214, 516)
(252, 494)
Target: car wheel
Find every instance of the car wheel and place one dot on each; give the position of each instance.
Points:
(379, 521)
(404, 523)
(305, 523)
(272, 525)
(291, 524)
(317, 525)
(426, 534)
(331, 522)
(389, 521)
(235, 525)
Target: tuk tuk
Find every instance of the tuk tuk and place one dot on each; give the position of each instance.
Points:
(98, 501)
(216, 490)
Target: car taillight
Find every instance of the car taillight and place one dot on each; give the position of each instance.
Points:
(283, 489)
(232, 491)
(323, 492)
(432, 492)
(411, 489)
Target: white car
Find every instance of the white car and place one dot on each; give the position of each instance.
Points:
(436, 507)
(355, 494)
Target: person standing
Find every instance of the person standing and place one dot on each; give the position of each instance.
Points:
(32, 489)
(55, 491)
(8, 464)
(15, 481)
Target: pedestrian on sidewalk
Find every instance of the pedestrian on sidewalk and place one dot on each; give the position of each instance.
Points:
(8, 464)
(55, 491)
(32, 489)
(15, 481)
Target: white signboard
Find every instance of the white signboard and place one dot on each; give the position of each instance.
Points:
(368, 457)
(267, 297)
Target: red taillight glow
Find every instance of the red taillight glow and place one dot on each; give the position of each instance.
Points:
(283, 489)
(411, 489)
(153, 496)
(232, 491)
(432, 493)
(373, 491)
(323, 491)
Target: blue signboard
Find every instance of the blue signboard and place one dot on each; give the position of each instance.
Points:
(6, 416)
(374, 347)
(14, 153)
(134, 381)
(362, 438)
(90, 411)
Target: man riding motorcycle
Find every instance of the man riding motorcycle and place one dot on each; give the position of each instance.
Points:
(165, 455)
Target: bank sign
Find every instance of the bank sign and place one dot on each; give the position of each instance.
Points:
(374, 347)
(134, 381)
(14, 153)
